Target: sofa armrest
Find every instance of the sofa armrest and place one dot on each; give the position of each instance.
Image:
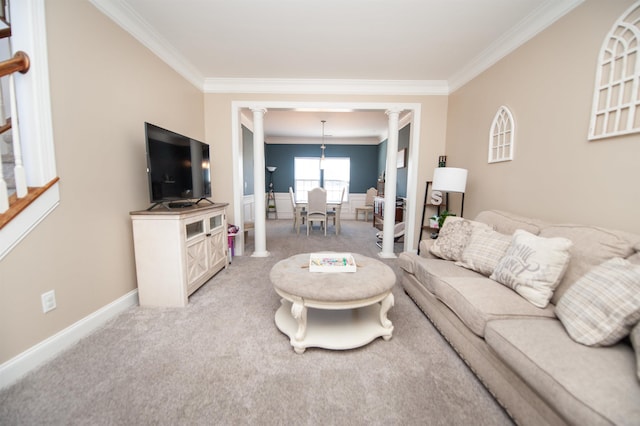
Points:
(425, 245)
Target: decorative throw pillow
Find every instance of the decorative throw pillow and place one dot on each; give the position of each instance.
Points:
(533, 266)
(485, 249)
(603, 305)
(453, 237)
(635, 342)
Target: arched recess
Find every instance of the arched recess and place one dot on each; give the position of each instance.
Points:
(412, 162)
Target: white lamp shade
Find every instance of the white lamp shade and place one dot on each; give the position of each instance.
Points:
(271, 168)
(449, 179)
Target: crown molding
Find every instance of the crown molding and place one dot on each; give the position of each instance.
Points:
(545, 15)
(536, 22)
(124, 16)
(326, 86)
(120, 13)
(289, 140)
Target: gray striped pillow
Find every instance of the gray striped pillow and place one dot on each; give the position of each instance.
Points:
(603, 305)
(484, 250)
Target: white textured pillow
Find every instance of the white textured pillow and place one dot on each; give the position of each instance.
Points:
(635, 342)
(533, 266)
(485, 249)
(603, 305)
(453, 237)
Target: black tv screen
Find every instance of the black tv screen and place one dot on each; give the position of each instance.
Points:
(177, 166)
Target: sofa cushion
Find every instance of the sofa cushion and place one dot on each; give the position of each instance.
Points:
(601, 307)
(406, 260)
(533, 266)
(591, 247)
(425, 248)
(585, 385)
(634, 258)
(453, 237)
(429, 270)
(485, 249)
(476, 300)
(635, 342)
(508, 223)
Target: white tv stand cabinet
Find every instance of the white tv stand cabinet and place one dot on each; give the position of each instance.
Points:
(177, 251)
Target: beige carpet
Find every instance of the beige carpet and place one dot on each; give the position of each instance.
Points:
(221, 360)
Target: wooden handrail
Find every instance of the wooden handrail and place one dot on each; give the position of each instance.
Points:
(20, 62)
(16, 205)
(6, 126)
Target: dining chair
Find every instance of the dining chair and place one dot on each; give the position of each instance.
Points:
(317, 208)
(372, 193)
(334, 212)
(298, 212)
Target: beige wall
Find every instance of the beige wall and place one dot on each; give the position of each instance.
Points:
(557, 174)
(218, 134)
(104, 86)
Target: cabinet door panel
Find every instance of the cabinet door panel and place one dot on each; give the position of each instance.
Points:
(217, 252)
(197, 265)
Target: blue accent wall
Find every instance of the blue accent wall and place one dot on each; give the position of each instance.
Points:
(404, 137)
(367, 162)
(382, 157)
(364, 163)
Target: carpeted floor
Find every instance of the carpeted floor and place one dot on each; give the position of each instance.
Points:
(221, 360)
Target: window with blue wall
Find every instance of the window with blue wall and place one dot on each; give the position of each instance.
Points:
(364, 163)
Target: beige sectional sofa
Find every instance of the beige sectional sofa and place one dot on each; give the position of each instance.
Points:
(522, 352)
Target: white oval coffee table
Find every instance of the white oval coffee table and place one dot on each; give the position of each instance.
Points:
(348, 309)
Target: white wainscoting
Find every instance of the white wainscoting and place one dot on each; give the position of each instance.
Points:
(248, 202)
(285, 209)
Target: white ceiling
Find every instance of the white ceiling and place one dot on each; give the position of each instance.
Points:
(332, 46)
(355, 127)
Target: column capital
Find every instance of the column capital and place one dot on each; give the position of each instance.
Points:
(394, 111)
(257, 109)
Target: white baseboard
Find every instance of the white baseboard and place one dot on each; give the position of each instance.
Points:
(17, 367)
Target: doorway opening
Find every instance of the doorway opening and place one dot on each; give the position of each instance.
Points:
(409, 111)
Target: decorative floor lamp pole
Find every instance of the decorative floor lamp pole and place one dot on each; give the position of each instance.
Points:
(271, 196)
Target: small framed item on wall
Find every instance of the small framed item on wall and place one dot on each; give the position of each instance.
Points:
(402, 154)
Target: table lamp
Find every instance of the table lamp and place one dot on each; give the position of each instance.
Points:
(450, 179)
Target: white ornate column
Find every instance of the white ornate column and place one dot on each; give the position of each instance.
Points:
(259, 221)
(391, 175)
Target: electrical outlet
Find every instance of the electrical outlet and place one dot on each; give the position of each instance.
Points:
(48, 301)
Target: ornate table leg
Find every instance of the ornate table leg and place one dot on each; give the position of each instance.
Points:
(299, 312)
(385, 305)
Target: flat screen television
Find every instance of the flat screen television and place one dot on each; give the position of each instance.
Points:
(177, 168)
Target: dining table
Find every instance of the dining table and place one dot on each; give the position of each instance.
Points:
(333, 207)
